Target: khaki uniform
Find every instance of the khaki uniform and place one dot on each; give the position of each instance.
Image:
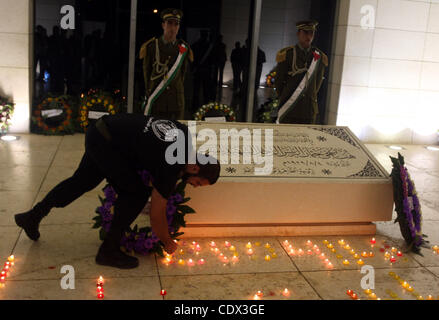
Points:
(170, 103)
(289, 76)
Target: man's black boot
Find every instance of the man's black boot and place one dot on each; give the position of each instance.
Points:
(109, 254)
(31, 219)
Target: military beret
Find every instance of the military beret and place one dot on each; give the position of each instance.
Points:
(171, 13)
(307, 25)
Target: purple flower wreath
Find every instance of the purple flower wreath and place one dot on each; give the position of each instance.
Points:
(144, 240)
(407, 205)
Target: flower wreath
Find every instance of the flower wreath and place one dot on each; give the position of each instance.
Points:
(269, 80)
(144, 240)
(58, 124)
(95, 101)
(6, 111)
(407, 205)
(221, 109)
(269, 110)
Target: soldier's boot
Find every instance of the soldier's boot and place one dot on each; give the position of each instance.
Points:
(30, 220)
(109, 254)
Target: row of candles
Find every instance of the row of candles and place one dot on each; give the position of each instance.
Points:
(259, 295)
(196, 248)
(100, 288)
(368, 292)
(6, 270)
(408, 287)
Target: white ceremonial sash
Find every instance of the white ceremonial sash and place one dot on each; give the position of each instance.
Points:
(290, 103)
(166, 80)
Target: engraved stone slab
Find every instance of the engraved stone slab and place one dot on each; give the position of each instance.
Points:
(321, 175)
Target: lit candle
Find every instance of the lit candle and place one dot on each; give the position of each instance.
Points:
(181, 262)
(315, 247)
(354, 296)
(100, 289)
(3, 274)
(212, 244)
(330, 246)
(392, 259)
(227, 244)
(216, 250)
(394, 249)
(387, 254)
(329, 265)
(235, 254)
(349, 292)
(225, 259)
(309, 252)
(435, 248)
(232, 248)
(356, 256)
(235, 259)
(300, 251)
(100, 295)
(190, 263)
(6, 268)
(197, 248)
(286, 292)
(360, 262)
(101, 281)
(308, 243)
(333, 250)
(286, 242)
(341, 242)
(373, 296)
(322, 256)
(221, 255)
(181, 251)
(11, 258)
(318, 251)
(163, 292)
(259, 293)
(248, 245)
(267, 245)
(347, 247)
(410, 289)
(368, 291)
(292, 252)
(201, 262)
(373, 241)
(430, 297)
(2, 279)
(256, 297)
(371, 254)
(399, 254)
(267, 258)
(405, 284)
(325, 241)
(345, 262)
(250, 251)
(364, 254)
(274, 255)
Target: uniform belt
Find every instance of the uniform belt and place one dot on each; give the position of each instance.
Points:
(103, 129)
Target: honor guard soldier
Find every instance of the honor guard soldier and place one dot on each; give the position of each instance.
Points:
(300, 73)
(165, 61)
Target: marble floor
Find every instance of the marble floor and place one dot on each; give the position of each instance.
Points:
(32, 165)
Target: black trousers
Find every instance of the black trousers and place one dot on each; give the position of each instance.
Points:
(102, 161)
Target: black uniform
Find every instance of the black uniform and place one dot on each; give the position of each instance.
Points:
(116, 149)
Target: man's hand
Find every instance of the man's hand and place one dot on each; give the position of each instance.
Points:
(170, 246)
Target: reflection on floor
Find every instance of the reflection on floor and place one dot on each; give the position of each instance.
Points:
(275, 268)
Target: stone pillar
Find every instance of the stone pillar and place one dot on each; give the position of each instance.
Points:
(16, 58)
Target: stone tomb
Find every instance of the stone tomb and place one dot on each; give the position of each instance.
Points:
(324, 182)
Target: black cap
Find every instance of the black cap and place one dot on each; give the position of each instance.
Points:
(307, 25)
(171, 13)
